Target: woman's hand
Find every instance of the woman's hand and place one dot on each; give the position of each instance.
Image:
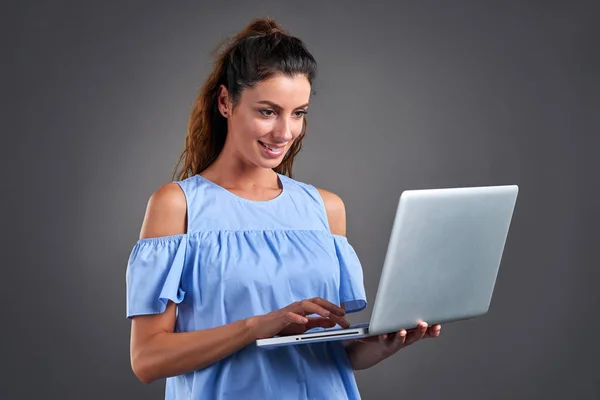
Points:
(390, 343)
(369, 351)
(293, 320)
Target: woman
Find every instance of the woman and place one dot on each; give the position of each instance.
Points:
(236, 250)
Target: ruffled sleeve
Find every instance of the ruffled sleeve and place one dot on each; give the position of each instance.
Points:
(153, 274)
(352, 289)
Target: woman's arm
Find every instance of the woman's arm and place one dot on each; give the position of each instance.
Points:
(156, 351)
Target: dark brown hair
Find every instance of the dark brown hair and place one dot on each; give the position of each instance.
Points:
(262, 49)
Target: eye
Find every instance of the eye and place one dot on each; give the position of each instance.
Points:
(267, 113)
(300, 113)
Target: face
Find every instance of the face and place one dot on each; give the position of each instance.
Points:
(267, 119)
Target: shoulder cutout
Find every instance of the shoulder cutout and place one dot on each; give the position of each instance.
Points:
(166, 212)
(336, 212)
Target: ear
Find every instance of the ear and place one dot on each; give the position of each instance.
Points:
(223, 101)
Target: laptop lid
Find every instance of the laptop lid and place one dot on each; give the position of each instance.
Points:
(443, 256)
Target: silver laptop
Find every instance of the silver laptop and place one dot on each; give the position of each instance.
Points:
(441, 264)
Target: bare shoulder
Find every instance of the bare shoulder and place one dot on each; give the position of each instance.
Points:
(336, 211)
(166, 212)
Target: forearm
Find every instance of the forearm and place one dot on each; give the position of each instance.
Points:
(168, 354)
(363, 355)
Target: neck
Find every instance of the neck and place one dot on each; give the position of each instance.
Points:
(230, 170)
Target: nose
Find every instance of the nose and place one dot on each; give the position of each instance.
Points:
(283, 131)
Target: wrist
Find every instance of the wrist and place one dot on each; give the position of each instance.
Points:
(250, 327)
(365, 355)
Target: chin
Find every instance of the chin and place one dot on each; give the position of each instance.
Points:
(269, 164)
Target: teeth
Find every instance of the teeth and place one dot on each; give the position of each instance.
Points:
(271, 148)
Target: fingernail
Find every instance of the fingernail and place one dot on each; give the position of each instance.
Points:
(326, 313)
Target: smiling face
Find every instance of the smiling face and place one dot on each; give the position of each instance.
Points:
(268, 118)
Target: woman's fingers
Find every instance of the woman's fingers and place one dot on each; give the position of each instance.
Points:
(400, 338)
(422, 330)
(434, 331)
(294, 318)
(416, 334)
(341, 321)
(319, 322)
(308, 307)
(337, 313)
(404, 337)
(337, 310)
(322, 307)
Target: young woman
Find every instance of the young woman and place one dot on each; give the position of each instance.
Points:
(235, 249)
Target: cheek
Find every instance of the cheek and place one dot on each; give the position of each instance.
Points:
(251, 128)
(261, 127)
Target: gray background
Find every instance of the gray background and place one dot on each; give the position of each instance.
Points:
(410, 95)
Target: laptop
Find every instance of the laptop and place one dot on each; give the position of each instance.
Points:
(441, 264)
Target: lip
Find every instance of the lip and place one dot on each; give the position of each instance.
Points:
(275, 151)
(273, 146)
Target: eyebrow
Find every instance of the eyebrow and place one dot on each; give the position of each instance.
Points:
(276, 106)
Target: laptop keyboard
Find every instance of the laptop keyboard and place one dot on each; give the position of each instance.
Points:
(354, 326)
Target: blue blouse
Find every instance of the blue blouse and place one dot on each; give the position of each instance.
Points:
(241, 258)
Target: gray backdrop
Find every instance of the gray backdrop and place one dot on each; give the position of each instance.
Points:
(410, 95)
